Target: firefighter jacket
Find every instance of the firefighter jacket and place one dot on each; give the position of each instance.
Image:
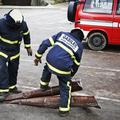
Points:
(10, 39)
(65, 55)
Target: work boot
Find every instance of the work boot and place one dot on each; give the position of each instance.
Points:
(63, 114)
(44, 87)
(3, 95)
(15, 90)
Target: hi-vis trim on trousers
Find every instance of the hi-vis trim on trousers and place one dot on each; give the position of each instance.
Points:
(12, 87)
(3, 54)
(43, 83)
(58, 71)
(69, 98)
(69, 51)
(15, 56)
(4, 90)
(11, 58)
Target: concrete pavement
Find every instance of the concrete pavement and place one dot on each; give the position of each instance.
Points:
(99, 72)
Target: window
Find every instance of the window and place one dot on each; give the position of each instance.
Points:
(98, 6)
(118, 7)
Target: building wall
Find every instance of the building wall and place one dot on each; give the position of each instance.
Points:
(38, 2)
(0, 2)
(16, 2)
(33, 2)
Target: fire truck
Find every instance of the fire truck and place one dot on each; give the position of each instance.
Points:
(99, 20)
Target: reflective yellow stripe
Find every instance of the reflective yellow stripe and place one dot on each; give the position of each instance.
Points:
(3, 54)
(69, 51)
(65, 48)
(19, 42)
(12, 87)
(8, 41)
(43, 83)
(76, 62)
(4, 90)
(57, 70)
(69, 98)
(27, 45)
(38, 55)
(51, 41)
(15, 56)
(25, 33)
(64, 109)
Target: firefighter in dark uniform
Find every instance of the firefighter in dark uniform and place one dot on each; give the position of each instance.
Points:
(63, 59)
(13, 29)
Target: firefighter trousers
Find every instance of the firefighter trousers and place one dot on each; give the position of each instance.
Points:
(8, 73)
(64, 85)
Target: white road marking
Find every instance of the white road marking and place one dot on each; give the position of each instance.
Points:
(102, 52)
(34, 7)
(100, 68)
(82, 66)
(106, 73)
(90, 67)
(25, 60)
(97, 97)
(108, 99)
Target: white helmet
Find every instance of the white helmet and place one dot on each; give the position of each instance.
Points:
(16, 15)
(14, 18)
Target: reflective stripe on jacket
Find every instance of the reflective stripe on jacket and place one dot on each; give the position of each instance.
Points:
(10, 38)
(64, 55)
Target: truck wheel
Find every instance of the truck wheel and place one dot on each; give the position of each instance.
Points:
(71, 11)
(97, 41)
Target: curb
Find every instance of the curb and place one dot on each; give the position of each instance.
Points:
(33, 7)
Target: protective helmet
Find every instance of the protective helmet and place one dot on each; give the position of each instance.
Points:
(14, 18)
(78, 33)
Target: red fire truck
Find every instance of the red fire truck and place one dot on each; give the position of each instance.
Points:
(99, 20)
